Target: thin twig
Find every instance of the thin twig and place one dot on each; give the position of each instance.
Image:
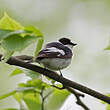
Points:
(58, 87)
(78, 95)
(48, 95)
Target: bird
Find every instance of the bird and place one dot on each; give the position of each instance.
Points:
(56, 55)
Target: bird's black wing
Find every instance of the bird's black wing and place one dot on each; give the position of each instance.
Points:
(54, 50)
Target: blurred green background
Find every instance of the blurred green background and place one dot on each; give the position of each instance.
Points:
(86, 22)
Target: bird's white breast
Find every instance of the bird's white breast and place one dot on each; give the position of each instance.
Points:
(56, 63)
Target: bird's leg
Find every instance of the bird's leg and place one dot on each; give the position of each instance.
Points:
(61, 76)
(60, 73)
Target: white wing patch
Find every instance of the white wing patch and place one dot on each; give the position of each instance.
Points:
(53, 49)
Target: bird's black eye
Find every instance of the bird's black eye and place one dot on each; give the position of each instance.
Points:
(64, 41)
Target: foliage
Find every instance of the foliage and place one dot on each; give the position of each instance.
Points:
(15, 37)
(16, 72)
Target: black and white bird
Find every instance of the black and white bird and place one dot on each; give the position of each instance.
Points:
(56, 55)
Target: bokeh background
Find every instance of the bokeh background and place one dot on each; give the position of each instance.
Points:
(86, 22)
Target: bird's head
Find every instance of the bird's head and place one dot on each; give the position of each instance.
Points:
(67, 42)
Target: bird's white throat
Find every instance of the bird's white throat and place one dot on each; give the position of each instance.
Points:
(69, 46)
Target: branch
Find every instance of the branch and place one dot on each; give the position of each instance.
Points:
(56, 77)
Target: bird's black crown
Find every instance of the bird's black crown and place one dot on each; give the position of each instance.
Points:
(66, 41)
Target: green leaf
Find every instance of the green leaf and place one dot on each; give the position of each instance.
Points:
(25, 89)
(35, 83)
(16, 72)
(4, 33)
(32, 101)
(56, 99)
(11, 109)
(32, 83)
(7, 55)
(17, 42)
(20, 85)
(8, 23)
(52, 81)
(40, 40)
(107, 48)
(14, 42)
(33, 74)
(108, 107)
(33, 30)
(7, 95)
(18, 96)
(38, 47)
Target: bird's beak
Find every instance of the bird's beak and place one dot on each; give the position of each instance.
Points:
(73, 44)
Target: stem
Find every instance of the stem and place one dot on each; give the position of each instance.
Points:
(42, 105)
